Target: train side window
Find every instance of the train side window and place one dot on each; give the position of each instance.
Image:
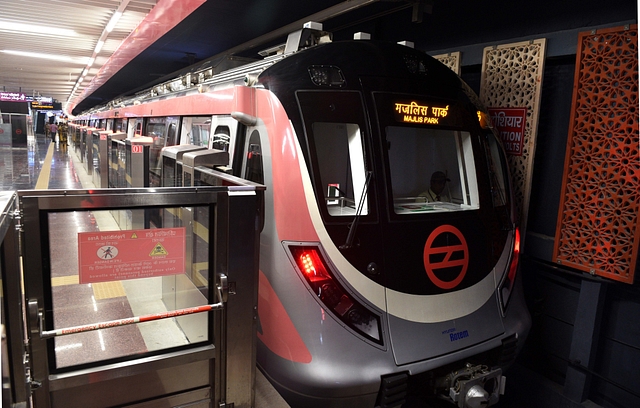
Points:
(135, 128)
(497, 163)
(155, 127)
(171, 134)
(431, 170)
(221, 138)
(253, 169)
(120, 125)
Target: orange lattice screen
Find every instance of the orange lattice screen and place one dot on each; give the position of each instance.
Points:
(598, 230)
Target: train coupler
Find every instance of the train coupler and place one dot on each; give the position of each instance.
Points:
(474, 386)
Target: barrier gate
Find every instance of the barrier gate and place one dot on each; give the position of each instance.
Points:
(100, 330)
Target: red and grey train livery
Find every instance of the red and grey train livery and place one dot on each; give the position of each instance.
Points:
(372, 290)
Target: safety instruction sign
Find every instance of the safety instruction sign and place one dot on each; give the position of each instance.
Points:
(132, 254)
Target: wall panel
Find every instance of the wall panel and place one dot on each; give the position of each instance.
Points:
(512, 78)
(597, 229)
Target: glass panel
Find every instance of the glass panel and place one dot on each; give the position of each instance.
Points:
(221, 138)
(116, 269)
(172, 134)
(431, 170)
(198, 130)
(253, 166)
(341, 162)
(95, 153)
(497, 171)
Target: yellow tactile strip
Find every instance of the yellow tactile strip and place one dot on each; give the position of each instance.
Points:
(108, 290)
(64, 280)
(101, 290)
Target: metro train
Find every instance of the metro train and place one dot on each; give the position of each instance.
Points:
(371, 292)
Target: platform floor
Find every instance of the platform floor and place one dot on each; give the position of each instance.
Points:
(43, 164)
(46, 165)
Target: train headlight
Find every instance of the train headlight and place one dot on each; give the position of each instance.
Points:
(326, 75)
(506, 286)
(333, 295)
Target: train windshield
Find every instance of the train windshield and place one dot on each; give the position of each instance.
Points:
(431, 169)
(429, 154)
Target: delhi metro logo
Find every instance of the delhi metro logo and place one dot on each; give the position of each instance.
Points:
(446, 254)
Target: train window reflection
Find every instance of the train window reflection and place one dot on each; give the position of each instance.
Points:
(431, 170)
(253, 164)
(497, 171)
(102, 278)
(340, 154)
(195, 130)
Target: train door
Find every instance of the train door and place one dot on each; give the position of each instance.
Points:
(99, 333)
(164, 132)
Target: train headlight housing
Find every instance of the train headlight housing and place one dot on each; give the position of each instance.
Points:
(326, 75)
(336, 299)
(508, 281)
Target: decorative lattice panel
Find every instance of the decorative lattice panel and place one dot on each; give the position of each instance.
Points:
(598, 230)
(451, 60)
(512, 78)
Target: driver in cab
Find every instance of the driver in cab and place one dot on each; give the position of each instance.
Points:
(436, 192)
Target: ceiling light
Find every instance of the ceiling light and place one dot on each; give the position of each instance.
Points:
(63, 58)
(91, 61)
(99, 46)
(114, 20)
(36, 29)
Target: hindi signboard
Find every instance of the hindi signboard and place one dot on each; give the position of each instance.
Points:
(510, 124)
(132, 254)
(13, 96)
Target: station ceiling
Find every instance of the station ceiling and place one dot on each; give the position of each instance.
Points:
(155, 38)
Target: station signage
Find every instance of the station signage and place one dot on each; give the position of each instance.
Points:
(13, 97)
(40, 106)
(510, 124)
(132, 254)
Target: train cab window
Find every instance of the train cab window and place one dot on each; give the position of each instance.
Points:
(339, 150)
(253, 169)
(335, 129)
(431, 169)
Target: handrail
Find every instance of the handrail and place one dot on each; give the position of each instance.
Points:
(220, 289)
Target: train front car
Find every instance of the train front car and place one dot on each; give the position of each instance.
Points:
(404, 287)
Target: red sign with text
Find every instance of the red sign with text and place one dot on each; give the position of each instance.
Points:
(510, 124)
(133, 254)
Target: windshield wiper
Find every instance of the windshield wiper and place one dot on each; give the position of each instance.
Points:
(356, 219)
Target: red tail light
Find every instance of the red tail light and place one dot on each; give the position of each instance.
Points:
(515, 257)
(312, 267)
(333, 295)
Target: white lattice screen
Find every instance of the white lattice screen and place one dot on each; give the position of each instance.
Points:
(451, 60)
(512, 78)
